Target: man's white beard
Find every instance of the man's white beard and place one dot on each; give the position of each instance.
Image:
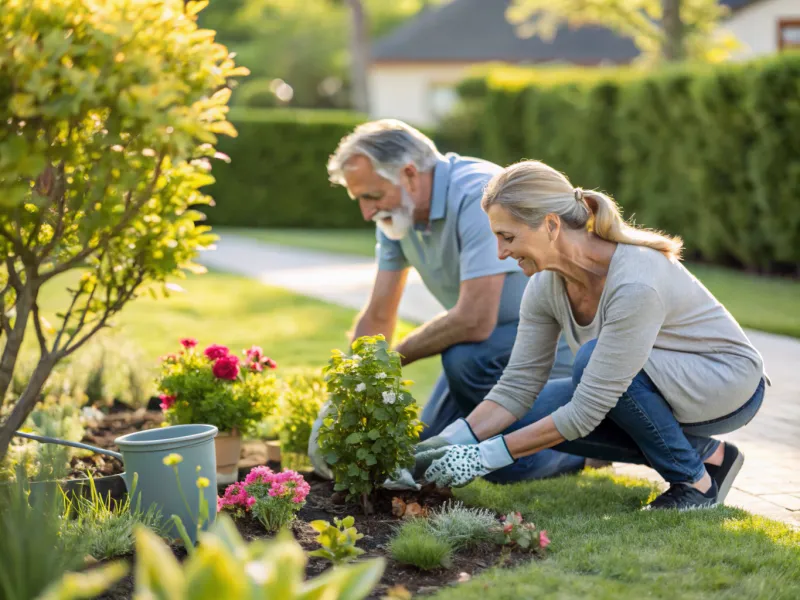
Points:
(402, 218)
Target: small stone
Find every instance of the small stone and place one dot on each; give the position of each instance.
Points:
(463, 577)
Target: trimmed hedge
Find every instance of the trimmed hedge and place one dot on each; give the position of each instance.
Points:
(277, 175)
(708, 153)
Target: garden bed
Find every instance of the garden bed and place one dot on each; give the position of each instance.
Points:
(377, 529)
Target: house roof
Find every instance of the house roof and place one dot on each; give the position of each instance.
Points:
(477, 31)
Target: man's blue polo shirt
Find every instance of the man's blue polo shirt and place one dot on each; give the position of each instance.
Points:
(458, 243)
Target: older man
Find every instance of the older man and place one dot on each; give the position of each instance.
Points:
(426, 207)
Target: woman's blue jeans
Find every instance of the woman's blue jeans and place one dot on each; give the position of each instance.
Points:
(640, 429)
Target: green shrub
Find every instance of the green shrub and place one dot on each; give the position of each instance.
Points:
(460, 526)
(415, 544)
(372, 426)
(277, 175)
(338, 540)
(710, 153)
(303, 396)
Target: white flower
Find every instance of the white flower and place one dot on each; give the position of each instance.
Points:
(355, 357)
(361, 387)
(389, 397)
(380, 376)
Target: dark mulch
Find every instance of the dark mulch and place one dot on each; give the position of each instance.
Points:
(321, 503)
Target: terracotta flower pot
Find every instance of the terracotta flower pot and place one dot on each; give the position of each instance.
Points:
(273, 451)
(228, 447)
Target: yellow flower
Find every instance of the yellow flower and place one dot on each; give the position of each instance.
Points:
(203, 482)
(172, 459)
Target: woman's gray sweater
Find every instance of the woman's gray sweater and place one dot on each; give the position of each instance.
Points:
(653, 315)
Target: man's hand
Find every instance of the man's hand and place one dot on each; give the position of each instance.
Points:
(458, 432)
(380, 314)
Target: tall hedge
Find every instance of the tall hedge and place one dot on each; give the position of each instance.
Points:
(708, 153)
(277, 175)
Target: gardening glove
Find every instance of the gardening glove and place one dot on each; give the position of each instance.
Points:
(461, 464)
(321, 468)
(458, 432)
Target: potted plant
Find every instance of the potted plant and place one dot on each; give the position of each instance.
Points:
(216, 387)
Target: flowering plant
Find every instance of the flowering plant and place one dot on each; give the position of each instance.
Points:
(272, 498)
(514, 530)
(371, 426)
(216, 387)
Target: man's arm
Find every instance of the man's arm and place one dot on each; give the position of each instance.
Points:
(380, 314)
(472, 319)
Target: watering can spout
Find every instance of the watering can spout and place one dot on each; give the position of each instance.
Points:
(49, 440)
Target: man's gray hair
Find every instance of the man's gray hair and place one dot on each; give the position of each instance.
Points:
(389, 144)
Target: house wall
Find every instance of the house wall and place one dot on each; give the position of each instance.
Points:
(756, 26)
(414, 92)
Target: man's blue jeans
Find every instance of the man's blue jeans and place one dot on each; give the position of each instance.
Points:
(470, 370)
(640, 429)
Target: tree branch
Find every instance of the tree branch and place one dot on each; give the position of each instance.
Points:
(67, 316)
(38, 325)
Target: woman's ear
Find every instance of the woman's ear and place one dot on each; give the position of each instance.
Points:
(553, 225)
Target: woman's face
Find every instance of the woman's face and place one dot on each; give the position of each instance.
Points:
(529, 247)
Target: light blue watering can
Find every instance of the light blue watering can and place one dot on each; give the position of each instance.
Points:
(143, 453)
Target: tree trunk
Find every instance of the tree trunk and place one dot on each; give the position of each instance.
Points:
(359, 55)
(673, 50)
(26, 403)
(23, 307)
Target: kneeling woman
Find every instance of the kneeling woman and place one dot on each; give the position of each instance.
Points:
(660, 365)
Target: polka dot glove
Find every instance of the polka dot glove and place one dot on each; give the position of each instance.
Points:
(461, 464)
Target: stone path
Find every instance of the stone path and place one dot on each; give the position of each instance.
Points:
(769, 483)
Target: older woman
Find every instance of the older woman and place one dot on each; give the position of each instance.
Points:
(660, 364)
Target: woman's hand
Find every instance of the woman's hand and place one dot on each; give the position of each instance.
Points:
(488, 419)
(458, 465)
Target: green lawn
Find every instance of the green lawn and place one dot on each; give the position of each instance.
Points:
(237, 312)
(765, 303)
(604, 548)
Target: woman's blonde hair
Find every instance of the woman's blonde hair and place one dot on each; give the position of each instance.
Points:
(530, 190)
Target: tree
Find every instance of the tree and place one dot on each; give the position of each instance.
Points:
(113, 110)
(663, 30)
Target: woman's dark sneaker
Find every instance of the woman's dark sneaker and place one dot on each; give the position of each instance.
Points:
(724, 474)
(682, 496)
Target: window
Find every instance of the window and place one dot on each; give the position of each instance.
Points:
(788, 34)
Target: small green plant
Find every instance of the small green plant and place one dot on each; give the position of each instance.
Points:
(302, 398)
(415, 544)
(104, 527)
(515, 531)
(217, 387)
(460, 526)
(173, 460)
(372, 424)
(338, 541)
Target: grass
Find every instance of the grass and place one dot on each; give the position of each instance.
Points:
(238, 312)
(757, 302)
(415, 544)
(603, 547)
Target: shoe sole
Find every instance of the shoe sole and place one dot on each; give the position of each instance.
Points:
(728, 482)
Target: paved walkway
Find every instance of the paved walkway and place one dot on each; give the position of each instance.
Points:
(769, 483)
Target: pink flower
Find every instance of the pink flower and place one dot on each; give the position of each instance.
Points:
(258, 475)
(256, 366)
(214, 352)
(255, 354)
(508, 528)
(270, 363)
(188, 343)
(172, 357)
(166, 401)
(250, 501)
(226, 367)
(544, 541)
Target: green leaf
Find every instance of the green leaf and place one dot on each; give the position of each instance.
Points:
(332, 457)
(374, 434)
(371, 460)
(348, 521)
(319, 526)
(381, 414)
(354, 438)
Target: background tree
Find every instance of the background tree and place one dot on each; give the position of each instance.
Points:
(664, 30)
(111, 112)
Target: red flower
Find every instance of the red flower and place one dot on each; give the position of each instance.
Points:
(226, 367)
(188, 343)
(544, 541)
(214, 352)
(508, 528)
(166, 401)
(255, 354)
(256, 366)
(270, 363)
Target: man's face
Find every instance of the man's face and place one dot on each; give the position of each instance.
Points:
(389, 205)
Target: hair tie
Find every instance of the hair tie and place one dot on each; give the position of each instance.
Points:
(578, 194)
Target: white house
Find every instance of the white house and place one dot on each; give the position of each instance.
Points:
(415, 68)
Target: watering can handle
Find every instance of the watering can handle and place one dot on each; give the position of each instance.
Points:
(49, 440)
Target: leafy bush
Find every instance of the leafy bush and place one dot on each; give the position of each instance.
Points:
(372, 426)
(415, 544)
(217, 388)
(272, 498)
(460, 526)
(103, 527)
(515, 531)
(338, 541)
(277, 175)
(707, 153)
(112, 116)
(302, 398)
